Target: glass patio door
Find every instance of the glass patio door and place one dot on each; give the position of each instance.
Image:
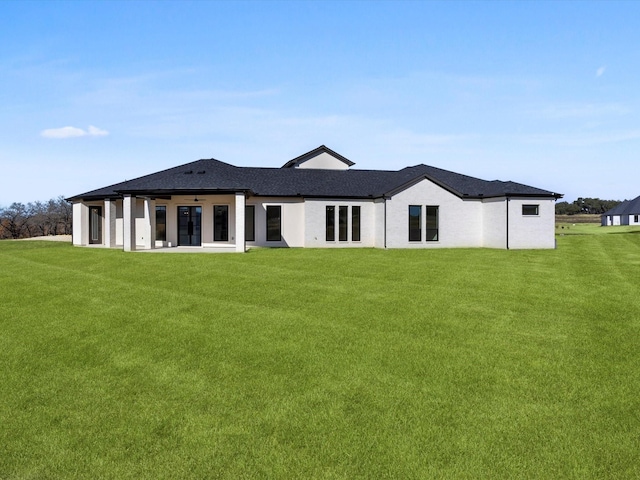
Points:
(190, 226)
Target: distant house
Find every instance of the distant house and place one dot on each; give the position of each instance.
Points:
(315, 200)
(626, 213)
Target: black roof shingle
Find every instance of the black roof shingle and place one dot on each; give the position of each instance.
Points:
(213, 176)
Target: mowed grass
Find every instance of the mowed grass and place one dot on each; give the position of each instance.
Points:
(292, 363)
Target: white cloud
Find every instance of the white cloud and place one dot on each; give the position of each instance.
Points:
(600, 71)
(96, 132)
(73, 132)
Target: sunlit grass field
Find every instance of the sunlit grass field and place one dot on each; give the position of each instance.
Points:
(292, 363)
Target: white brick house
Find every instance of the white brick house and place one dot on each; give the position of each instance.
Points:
(315, 200)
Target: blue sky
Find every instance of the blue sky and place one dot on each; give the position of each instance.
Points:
(543, 93)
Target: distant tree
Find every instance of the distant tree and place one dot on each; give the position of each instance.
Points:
(585, 205)
(15, 221)
(53, 217)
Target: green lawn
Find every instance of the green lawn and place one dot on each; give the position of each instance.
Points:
(292, 363)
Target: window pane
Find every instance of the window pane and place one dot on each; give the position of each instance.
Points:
(415, 223)
(432, 224)
(161, 223)
(330, 235)
(529, 209)
(342, 223)
(250, 223)
(221, 223)
(273, 223)
(355, 224)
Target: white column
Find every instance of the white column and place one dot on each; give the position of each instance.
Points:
(80, 224)
(149, 232)
(240, 235)
(129, 223)
(109, 223)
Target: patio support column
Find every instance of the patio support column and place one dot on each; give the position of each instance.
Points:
(149, 233)
(109, 223)
(240, 234)
(129, 223)
(80, 227)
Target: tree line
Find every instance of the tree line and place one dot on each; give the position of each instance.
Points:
(52, 217)
(585, 205)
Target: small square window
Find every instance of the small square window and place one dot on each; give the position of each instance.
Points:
(530, 209)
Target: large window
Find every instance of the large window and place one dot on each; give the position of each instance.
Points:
(161, 223)
(250, 223)
(343, 215)
(415, 223)
(529, 209)
(355, 223)
(330, 230)
(220, 223)
(274, 223)
(432, 224)
(343, 223)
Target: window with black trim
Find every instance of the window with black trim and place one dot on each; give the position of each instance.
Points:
(220, 223)
(250, 223)
(161, 223)
(274, 223)
(343, 213)
(330, 230)
(530, 209)
(355, 223)
(415, 223)
(432, 224)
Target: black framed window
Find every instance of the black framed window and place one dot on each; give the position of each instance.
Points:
(330, 229)
(161, 223)
(529, 209)
(432, 224)
(355, 223)
(343, 215)
(274, 223)
(250, 223)
(635, 218)
(220, 223)
(415, 223)
(95, 225)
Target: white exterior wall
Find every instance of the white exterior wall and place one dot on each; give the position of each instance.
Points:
(494, 223)
(532, 231)
(315, 223)
(292, 221)
(324, 161)
(632, 220)
(380, 234)
(383, 223)
(459, 221)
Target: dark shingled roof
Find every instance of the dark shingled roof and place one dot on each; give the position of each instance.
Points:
(214, 176)
(628, 207)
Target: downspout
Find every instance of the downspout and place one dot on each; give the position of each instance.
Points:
(507, 203)
(384, 199)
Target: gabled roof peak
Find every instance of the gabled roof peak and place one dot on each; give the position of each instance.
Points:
(322, 158)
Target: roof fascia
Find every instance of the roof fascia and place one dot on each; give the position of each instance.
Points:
(189, 191)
